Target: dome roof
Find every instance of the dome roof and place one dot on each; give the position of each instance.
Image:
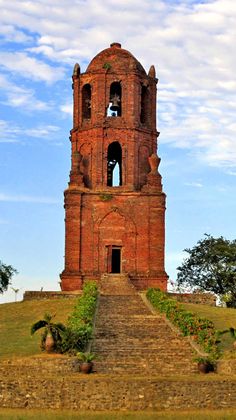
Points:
(116, 59)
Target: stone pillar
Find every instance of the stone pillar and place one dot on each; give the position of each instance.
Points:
(71, 278)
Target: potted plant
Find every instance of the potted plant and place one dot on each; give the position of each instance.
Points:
(85, 361)
(52, 332)
(205, 364)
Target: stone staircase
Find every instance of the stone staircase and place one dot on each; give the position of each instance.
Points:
(143, 365)
(130, 339)
(116, 284)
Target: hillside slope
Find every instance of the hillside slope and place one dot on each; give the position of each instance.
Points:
(17, 318)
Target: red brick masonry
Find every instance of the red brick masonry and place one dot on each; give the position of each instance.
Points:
(101, 217)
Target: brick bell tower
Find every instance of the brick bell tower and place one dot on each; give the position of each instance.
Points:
(114, 204)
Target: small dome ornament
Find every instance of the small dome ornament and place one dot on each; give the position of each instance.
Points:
(152, 72)
(154, 162)
(76, 71)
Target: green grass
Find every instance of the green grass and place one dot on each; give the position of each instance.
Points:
(223, 318)
(15, 414)
(17, 318)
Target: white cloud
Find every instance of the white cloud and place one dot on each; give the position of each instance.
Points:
(12, 133)
(12, 34)
(193, 184)
(30, 67)
(190, 42)
(8, 133)
(20, 97)
(67, 108)
(233, 173)
(42, 131)
(28, 199)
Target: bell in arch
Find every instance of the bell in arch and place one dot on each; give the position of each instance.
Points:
(115, 99)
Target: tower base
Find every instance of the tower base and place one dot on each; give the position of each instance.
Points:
(70, 281)
(143, 282)
(74, 281)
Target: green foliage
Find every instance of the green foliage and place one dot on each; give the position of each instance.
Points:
(80, 323)
(211, 266)
(230, 330)
(55, 329)
(85, 356)
(75, 336)
(107, 66)
(229, 299)
(6, 274)
(200, 329)
(105, 197)
(75, 339)
(85, 306)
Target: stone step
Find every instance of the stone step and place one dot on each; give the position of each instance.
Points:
(144, 367)
(136, 346)
(128, 338)
(116, 284)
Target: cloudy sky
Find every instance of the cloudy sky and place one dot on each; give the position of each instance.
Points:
(191, 44)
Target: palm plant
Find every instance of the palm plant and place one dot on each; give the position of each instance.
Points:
(86, 361)
(52, 334)
(85, 357)
(232, 332)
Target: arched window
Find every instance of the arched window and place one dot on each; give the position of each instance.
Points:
(144, 105)
(86, 102)
(115, 101)
(114, 165)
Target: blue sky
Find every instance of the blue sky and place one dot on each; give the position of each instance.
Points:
(191, 44)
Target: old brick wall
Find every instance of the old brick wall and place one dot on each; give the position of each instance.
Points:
(133, 218)
(32, 295)
(59, 387)
(200, 298)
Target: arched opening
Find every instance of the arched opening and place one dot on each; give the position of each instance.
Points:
(114, 165)
(115, 101)
(144, 105)
(86, 102)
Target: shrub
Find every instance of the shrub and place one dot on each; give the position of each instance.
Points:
(80, 323)
(75, 340)
(200, 329)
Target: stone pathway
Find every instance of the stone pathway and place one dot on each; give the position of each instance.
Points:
(143, 365)
(130, 339)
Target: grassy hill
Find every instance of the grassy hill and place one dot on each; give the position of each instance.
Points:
(17, 318)
(223, 318)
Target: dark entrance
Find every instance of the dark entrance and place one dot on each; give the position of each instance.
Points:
(115, 260)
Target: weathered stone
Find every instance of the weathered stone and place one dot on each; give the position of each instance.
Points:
(101, 217)
(129, 339)
(199, 298)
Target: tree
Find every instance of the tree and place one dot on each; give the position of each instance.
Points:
(6, 273)
(52, 334)
(211, 267)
